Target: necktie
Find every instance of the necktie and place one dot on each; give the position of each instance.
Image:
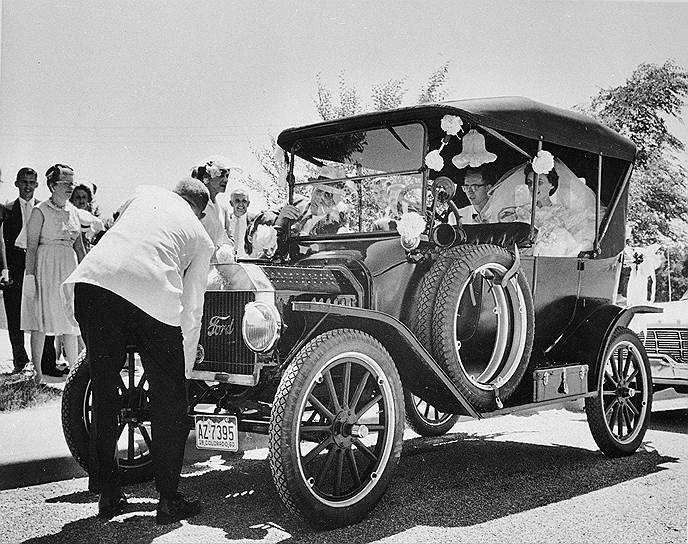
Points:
(26, 210)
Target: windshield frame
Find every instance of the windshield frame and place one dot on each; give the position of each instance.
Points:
(422, 171)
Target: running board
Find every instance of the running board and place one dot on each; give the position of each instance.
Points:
(537, 405)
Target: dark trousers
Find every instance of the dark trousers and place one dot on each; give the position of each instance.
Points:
(108, 324)
(12, 299)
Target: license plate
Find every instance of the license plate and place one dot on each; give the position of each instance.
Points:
(217, 432)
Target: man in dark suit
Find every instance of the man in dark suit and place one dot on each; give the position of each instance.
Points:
(13, 216)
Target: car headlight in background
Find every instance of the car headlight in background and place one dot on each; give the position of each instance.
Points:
(261, 326)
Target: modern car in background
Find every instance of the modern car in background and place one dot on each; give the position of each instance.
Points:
(665, 336)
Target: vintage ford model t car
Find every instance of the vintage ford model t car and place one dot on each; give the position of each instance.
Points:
(381, 292)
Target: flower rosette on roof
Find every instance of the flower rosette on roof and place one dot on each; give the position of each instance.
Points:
(451, 125)
(410, 226)
(543, 162)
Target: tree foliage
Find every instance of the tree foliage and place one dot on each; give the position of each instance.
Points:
(658, 196)
(386, 95)
(678, 261)
(349, 100)
(344, 102)
(434, 89)
(658, 203)
(640, 107)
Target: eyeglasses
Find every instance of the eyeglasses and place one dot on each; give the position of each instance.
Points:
(472, 187)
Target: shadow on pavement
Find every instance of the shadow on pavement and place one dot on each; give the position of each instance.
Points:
(672, 421)
(456, 480)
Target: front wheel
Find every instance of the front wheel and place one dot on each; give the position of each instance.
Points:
(620, 413)
(336, 428)
(426, 419)
(134, 443)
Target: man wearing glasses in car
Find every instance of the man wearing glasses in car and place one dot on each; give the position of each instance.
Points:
(476, 185)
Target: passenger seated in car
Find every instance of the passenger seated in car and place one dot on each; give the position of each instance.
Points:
(322, 213)
(563, 231)
(401, 198)
(477, 183)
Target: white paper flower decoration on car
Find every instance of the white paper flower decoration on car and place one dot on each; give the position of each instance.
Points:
(473, 152)
(411, 225)
(224, 254)
(265, 240)
(543, 162)
(451, 124)
(434, 160)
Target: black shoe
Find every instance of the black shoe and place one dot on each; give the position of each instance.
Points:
(171, 510)
(110, 506)
(56, 372)
(19, 366)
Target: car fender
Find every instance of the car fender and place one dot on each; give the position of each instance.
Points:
(588, 336)
(419, 372)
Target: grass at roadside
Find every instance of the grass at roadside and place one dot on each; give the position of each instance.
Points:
(17, 392)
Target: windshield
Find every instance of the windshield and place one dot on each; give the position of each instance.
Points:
(361, 181)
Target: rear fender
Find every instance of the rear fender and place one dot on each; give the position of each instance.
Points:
(419, 372)
(588, 337)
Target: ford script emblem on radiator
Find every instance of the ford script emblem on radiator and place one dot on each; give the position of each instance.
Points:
(220, 325)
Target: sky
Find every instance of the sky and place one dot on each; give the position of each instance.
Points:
(139, 91)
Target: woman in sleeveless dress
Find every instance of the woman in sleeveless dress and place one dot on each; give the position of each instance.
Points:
(53, 249)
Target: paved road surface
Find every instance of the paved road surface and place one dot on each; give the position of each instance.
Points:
(510, 479)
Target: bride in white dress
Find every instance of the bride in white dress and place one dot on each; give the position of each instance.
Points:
(565, 208)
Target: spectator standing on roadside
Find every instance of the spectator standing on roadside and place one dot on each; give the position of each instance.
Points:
(240, 221)
(214, 174)
(53, 249)
(144, 283)
(13, 217)
(91, 225)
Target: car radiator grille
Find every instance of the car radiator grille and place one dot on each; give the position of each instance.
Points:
(672, 342)
(224, 347)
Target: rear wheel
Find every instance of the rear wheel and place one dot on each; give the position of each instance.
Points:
(336, 428)
(483, 325)
(134, 443)
(618, 417)
(426, 419)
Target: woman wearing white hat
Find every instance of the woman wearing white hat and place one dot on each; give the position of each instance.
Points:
(214, 173)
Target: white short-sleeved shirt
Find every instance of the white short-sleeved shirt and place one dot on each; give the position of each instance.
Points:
(156, 256)
(468, 214)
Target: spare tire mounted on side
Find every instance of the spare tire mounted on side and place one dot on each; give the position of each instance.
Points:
(481, 328)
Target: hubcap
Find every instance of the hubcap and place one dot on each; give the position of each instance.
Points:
(345, 430)
(624, 392)
(134, 437)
